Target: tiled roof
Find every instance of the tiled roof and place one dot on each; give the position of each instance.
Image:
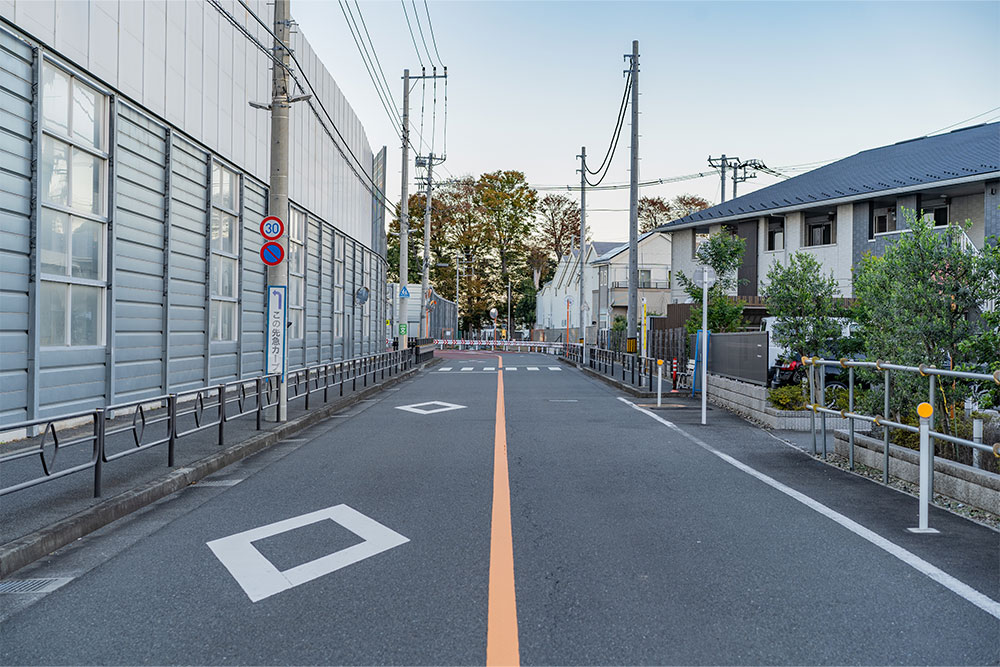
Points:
(969, 152)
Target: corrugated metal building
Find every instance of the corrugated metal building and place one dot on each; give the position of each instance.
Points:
(133, 178)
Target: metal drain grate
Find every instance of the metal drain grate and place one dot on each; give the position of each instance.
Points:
(31, 585)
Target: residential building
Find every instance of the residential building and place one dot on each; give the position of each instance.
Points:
(654, 260)
(133, 181)
(855, 206)
(550, 301)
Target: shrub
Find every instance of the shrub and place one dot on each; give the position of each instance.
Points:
(788, 397)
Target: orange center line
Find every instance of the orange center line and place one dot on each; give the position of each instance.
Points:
(501, 625)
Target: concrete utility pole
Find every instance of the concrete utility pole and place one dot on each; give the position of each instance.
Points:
(633, 210)
(277, 201)
(583, 246)
(404, 216)
(425, 278)
(722, 164)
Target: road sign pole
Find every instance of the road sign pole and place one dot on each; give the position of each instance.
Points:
(704, 346)
(277, 205)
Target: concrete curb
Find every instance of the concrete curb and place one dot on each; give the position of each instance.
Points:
(29, 548)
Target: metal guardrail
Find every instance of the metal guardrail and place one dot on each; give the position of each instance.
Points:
(817, 403)
(250, 395)
(639, 371)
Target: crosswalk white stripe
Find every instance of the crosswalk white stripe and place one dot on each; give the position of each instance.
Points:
(532, 368)
(444, 369)
(467, 368)
(490, 368)
(554, 368)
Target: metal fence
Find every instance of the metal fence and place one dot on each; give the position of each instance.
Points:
(742, 356)
(184, 413)
(632, 369)
(817, 398)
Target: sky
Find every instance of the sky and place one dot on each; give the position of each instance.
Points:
(787, 83)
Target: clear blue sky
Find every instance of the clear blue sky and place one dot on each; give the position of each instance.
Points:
(784, 82)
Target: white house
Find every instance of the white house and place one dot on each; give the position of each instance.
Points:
(611, 295)
(550, 304)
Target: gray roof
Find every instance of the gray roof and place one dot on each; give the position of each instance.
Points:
(616, 248)
(971, 153)
(601, 247)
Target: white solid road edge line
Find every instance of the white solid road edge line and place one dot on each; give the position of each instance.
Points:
(987, 604)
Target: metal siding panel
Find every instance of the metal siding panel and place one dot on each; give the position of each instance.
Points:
(16, 75)
(188, 216)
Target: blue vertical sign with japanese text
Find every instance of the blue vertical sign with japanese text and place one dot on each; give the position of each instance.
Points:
(277, 316)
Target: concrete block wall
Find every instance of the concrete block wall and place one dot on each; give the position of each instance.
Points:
(750, 400)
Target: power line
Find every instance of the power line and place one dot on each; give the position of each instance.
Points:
(385, 81)
(427, 10)
(416, 17)
(618, 128)
(368, 61)
(363, 174)
(623, 186)
(964, 121)
(412, 36)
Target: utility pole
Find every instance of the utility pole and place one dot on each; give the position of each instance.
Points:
(277, 200)
(633, 209)
(583, 245)
(425, 278)
(722, 164)
(404, 218)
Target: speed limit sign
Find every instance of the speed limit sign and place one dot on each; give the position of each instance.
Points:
(272, 228)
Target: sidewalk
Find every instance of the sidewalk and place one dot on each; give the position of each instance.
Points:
(37, 520)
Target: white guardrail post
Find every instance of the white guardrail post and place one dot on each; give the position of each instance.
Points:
(659, 382)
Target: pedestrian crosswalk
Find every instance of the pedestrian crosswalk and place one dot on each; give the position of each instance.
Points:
(473, 369)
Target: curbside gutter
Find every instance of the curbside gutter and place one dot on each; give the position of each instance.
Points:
(26, 549)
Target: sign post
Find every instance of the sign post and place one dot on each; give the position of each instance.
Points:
(272, 254)
(704, 276)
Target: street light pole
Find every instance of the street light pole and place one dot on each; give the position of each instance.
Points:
(404, 218)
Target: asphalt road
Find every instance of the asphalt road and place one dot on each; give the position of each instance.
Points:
(632, 542)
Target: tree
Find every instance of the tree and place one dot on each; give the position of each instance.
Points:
(804, 302)
(723, 252)
(540, 264)
(558, 224)
(653, 212)
(507, 204)
(918, 303)
(415, 243)
(686, 204)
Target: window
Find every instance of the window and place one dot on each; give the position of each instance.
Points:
(338, 289)
(72, 226)
(224, 232)
(937, 214)
(645, 278)
(818, 230)
(699, 238)
(296, 272)
(884, 219)
(775, 232)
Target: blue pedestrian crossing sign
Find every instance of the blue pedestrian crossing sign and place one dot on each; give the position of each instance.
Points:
(404, 293)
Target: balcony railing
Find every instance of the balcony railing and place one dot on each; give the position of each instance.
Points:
(643, 284)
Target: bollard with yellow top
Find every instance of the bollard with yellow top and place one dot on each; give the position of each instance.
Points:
(925, 411)
(659, 382)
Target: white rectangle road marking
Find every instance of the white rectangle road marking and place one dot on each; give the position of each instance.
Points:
(963, 590)
(259, 578)
(442, 370)
(554, 368)
(467, 368)
(490, 368)
(532, 368)
(510, 368)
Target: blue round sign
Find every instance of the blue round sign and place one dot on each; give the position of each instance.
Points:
(272, 253)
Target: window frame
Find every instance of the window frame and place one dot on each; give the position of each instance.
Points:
(101, 152)
(770, 233)
(235, 256)
(811, 222)
(297, 237)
